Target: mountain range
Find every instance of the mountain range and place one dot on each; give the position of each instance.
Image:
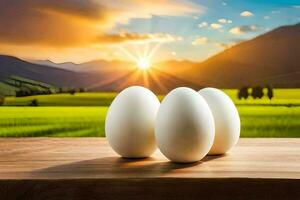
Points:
(272, 58)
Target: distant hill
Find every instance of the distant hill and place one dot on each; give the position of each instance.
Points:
(113, 77)
(9, 86)
(100, 66)
(272, 58)
(117, 75)
(155, 79)
(58, 77)
(70, 66)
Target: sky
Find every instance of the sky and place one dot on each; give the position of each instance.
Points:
(83, 30)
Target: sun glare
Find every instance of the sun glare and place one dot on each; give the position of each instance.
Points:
(142, 55)
(143, 63)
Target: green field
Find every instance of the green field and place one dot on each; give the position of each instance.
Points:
(78, 99)
(52, 121)
(83, 114)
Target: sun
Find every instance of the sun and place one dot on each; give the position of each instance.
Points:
(143, 54)
(143, 63)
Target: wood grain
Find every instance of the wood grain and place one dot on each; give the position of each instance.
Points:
(87, 168)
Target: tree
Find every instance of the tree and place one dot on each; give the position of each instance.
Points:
(23, 92)
(60, 90)
(45, 91)
(243, 93)
(257, 92)
(2, 99)
(82, 90)
(72, 91)
(270, 92)
(34, 102)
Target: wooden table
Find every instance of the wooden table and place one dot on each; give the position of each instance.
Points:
(87, 168)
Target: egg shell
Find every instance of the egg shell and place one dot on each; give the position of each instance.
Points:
(226, 117)
(130, 120)
(184, 127)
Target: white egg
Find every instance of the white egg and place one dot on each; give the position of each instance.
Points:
(184, 128)
(130, 120)
(226, 117)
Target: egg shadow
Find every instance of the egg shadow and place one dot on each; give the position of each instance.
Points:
(117, 167)
(213, 157)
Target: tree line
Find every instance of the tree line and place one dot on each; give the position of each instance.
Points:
(257, 92)
(2, 99)
(27, 91)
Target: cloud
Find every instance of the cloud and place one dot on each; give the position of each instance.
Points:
(225, 21)
(296, 6)
(237, 40)
(224, 45)
(200, 41)
(243, 29)
(128, 37)
(224, 3)
(266, 17)
(76, 23)
(229, 44)
(203, 24)
(275, 12)
(246, 14)
(215, 26)
(267, 29)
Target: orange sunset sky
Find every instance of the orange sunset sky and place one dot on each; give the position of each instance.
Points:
(79, 31)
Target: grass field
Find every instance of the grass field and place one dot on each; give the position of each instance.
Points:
(78, 99)
(52, 121)
(84, 114)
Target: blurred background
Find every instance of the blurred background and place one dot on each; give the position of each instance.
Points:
(63, 62)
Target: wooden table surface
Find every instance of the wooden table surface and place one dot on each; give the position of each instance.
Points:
(75, 168)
